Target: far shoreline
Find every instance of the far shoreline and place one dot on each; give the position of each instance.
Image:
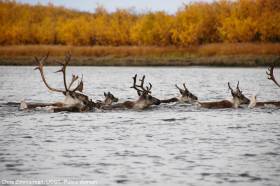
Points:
(215, 61)
(216, 55)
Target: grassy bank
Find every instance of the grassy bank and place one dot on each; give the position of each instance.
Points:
(242, 54)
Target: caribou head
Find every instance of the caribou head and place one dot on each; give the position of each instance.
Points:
(110, 98)
(74, 95)
(108, 101)
(145, 98)
(238, 96)
(186, 95)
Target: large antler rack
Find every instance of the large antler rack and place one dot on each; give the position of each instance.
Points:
(40, 67)
(64, 64)
(63, 68)
(270, 74)
(141, 88)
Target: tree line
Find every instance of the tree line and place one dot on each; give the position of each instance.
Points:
(193, 24)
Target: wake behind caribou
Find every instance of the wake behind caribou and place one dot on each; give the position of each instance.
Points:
(76, 101)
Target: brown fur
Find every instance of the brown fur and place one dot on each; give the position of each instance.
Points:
(36, 105)
(124, 105)
(217, 104)
(144, 100)
(186, 96)
(171, 100)
(262, 104)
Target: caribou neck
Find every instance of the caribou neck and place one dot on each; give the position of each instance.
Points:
(140, 104)
(235, 102)
(185, 99)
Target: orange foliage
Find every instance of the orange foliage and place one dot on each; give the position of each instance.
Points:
(152, 29)
(195, 23)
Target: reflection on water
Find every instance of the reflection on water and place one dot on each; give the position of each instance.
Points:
(171, 144)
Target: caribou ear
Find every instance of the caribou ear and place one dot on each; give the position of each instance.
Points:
(105, 94)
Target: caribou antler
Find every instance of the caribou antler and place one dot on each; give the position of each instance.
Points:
(270, 74)
(184, 85)
(40, 68)
(80, 86)
(74, 78)
(178, 87)
(64, 64)
(237, 87)
(141, 86)
(232, 91)
(63, 68)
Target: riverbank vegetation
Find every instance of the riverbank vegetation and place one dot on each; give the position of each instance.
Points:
(194, 23)
(221, 54)
(216, 31)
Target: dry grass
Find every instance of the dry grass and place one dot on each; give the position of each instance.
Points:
(125, 51)
(241, 54)
(239, 49)
(95, 51)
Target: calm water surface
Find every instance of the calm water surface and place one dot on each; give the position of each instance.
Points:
(173, 144)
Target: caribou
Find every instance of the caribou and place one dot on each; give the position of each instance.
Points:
(238, 99)
(185, 97)
(145, 99)
(255, 103)
(108, 101)
(75, 100)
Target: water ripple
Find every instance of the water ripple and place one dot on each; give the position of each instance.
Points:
(173, 144)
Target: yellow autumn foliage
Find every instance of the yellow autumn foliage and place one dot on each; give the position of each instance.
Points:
(193, 24)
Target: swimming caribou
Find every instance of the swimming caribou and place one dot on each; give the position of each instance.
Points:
(185, 97)
(238, 99)
(144, 100)
(109, 100)
(75, 100)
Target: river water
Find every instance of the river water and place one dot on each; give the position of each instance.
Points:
(171, 144)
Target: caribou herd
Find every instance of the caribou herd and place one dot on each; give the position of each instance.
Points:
(76, 101)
